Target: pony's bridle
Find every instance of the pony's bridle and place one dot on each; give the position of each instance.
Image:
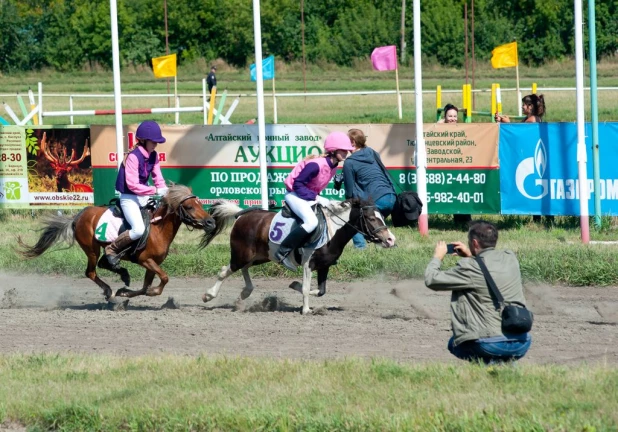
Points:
(368, 235)
(187, 219)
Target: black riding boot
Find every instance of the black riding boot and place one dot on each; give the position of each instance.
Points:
(293, 241)
(113, 249)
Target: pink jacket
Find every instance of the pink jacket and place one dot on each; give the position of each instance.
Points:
(319, 182)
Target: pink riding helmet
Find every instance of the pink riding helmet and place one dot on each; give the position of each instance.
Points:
(338, 141)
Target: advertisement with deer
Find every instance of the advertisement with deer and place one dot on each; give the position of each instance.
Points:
(45, 167)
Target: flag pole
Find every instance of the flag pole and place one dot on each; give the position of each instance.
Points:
(113, 11)
(517, 79)
(176, 94)
(259, 78)
(421, 154)
(582, 157)
(398, 93)
(518, 93)
(274, 100)
(167, 48)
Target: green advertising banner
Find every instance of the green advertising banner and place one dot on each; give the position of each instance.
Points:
(470, 191)
(13, 168)
(222, 162)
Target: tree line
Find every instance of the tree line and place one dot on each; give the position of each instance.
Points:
(68, 35)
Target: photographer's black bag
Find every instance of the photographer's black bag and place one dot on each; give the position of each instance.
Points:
(407, 209)
(516, 318)
(408, 205)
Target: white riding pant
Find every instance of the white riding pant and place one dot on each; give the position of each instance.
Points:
(302, 208)
(131, 205)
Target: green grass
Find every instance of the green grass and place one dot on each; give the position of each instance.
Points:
(312, 110)
(548, 253)
(73, 392)
(551, 254)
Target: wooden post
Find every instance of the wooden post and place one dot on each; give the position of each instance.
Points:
(493, 102)
(438, 101)
(466, 38)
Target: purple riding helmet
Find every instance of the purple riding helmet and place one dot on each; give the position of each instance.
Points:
(149, 130)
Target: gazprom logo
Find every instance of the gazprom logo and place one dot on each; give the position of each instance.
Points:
(533, 166)
(532, 180)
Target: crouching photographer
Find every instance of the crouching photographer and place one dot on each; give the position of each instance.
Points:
(489, 319)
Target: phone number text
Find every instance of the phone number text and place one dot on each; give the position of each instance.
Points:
(445, 178)
(461, 197)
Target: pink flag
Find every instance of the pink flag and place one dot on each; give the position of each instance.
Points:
(384, 58)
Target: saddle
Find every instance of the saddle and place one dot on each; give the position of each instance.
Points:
(113, 223)
(288, 213)
(285, 221)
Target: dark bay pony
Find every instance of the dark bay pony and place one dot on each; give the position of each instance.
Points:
(177, 207)
(249, 242)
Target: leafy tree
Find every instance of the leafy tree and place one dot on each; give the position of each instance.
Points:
(281, 28)
(442, 31)
(68, 34)
(234, 31)
(606, 27)
(61, 46)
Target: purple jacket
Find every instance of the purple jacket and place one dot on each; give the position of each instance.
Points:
(136, 170)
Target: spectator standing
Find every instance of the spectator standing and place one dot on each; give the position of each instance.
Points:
(365, 177)
(211, 80)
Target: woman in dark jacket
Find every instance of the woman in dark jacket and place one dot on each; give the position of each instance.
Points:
(365, 177)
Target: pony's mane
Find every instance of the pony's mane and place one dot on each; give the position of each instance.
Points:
(175, 195)
(340, 206)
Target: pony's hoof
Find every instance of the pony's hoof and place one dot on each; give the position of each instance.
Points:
(297, 286)
(307, 311)
(121, 306)
(114, 298)
(244, 294)
(207, 297)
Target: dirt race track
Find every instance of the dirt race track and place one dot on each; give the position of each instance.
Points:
(401, 319)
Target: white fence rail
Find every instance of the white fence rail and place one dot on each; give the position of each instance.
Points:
(225, 119)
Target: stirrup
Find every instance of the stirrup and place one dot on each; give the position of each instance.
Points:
(288, 264)
(113, 261)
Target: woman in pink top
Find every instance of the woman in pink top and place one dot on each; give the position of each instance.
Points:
(132, 183)
(304, 185)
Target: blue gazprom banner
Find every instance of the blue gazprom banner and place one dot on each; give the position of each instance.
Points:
(538, 169)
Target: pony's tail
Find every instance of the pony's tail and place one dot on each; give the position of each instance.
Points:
(55, 229)
(222, 212)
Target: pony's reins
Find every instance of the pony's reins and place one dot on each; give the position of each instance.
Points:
(369, 237)
(189, 221)
(185, 218)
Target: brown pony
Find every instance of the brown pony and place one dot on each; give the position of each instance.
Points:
(177, 207)
(249, 242)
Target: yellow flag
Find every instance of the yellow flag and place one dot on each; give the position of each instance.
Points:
(504, 56)
(164, 66)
